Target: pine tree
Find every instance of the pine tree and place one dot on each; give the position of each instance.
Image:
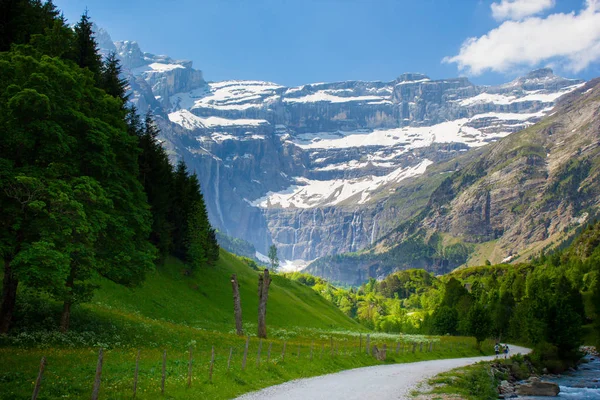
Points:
(21, 19)
(197, 237)
(110, 79)
(180, 209)
(156, 175)
(213, 247)
(86, 53)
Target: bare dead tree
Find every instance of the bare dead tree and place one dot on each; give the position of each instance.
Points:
(264, 281)
(237, 306)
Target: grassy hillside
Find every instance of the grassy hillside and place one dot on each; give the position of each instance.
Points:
(204, 300)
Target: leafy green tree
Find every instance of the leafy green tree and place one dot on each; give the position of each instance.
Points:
(565, 318)
(51, 139)
(479, 323)
(445, 320)
(273, 258)
(501, 310)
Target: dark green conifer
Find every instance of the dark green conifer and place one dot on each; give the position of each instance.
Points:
(111, 80)
(86, 53)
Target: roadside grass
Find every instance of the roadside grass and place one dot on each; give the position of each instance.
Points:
(175, 311)
(475, 382)
(70, 371)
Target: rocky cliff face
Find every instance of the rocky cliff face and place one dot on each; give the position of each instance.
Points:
(324, 168)
(527, 192)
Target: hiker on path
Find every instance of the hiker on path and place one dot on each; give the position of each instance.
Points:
(497, 349)
(506, 350)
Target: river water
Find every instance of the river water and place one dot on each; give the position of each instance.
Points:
(582, 384)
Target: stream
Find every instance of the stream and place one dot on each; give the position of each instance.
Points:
(581, 384)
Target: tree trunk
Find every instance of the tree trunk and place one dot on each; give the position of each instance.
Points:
(237, 306)
(263, 292)
(65, 317)
(66, 312)
(9, 297)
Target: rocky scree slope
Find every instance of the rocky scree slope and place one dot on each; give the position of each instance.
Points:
(527, 192)
(312, 168)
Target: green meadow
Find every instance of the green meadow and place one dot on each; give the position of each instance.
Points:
(177, 312)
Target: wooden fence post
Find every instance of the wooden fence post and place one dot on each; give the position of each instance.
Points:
(269, 352)
(414, 347)
(421, 347)
(164, 372)
(368, 346)
(258, 354)
(135, 374)
(283, 351)
(229, 359)
(98, 377)
(237, 306)
(397, 347)
(331, 344)
(430, 346)
(245, 353)
(212, 363)
(38, 381)
(189, 381)
(360, 344)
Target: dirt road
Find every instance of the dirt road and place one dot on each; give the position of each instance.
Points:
(381, 382)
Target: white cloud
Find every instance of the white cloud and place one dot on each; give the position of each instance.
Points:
(570, 41)
(519, 9)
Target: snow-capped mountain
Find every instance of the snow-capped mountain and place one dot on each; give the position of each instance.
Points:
(309, 168)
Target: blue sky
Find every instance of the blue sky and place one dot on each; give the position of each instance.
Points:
(304, 41)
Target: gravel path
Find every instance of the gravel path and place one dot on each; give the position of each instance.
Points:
(382, 382)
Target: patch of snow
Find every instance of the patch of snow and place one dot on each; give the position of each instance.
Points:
(292, 265)
(190, 121)
(532, 95)
(483, 98)
(353, 164)
(417, 81)
(308, 193)
(220, 137)
(325, 96)
(159, 67)
(262, 258)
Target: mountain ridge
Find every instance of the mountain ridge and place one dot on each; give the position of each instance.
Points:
(522, 195)
(311, 168)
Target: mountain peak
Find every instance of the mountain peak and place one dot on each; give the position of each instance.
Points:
(411, 77)
(103, 39)
(540, 73)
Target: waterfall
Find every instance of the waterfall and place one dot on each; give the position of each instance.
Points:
(352, 227)
(217, 200)
(373, 230)
(295, 241)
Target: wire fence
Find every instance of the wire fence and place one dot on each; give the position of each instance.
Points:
(199, 364)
